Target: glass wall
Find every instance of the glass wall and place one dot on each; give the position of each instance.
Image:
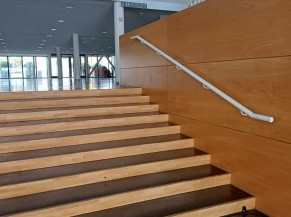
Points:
(4, 67)
(15, 67)
(41, 67)
(28, 67)
(66, 67)
(54, 66)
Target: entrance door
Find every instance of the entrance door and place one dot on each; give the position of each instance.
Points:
(67, 64)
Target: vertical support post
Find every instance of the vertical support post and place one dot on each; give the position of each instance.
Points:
(59, 61)
(118, 30)
(49, 66)
(76, 53)
(87, 70)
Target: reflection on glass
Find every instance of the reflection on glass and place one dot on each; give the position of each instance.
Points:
(66, 67)
(28, 67)
(54, 66)
(3, 67)
(92, 60)
(15, 67)
(41, 66)
(83, 67)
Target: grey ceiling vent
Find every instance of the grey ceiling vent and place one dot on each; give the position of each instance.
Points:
(134, 5)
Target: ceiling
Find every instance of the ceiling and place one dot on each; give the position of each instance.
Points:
(26, 25)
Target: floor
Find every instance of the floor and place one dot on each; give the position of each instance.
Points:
(18, 85)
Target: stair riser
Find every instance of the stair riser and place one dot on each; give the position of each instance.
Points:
(23, 165)
(34, 187)
(30, 116)
(221, 209)
(72, 102)
(70, 94)
(85, 139)
(130, 197)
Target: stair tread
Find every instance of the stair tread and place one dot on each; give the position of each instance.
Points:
(12, 111)
(175, 204)
(69, 195)
(51, 121)
(53, 172)
(88, 147)
(80, 132)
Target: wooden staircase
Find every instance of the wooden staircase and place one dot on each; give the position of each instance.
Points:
(104, 153)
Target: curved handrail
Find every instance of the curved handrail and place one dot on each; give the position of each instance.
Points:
(244, 111)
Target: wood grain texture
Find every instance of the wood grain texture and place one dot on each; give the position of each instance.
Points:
(219, 30)
(77, 125)
(134, 54)
(262, 85)
(81, 157)
(117, 200)
(69, 94)
(10, 147)
(30, 116)
(220, 209)
(60, 103)
(34, 187)
(259, 165)
(153, 80)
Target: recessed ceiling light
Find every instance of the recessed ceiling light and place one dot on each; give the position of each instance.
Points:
(44, 40)
(39, 47)
(71, 48)
(53, 29)
(2, 43)
(92, 38)
(41, 44)
(104, 32)
(84, 42)
(49, 35)
(4, 46)
(61, 21)
(1, 39)
(109, 47)
(70, 7)
(37, 50)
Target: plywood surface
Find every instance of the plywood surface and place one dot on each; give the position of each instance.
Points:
(258, 165)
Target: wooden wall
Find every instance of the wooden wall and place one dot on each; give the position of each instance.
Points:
(243, 47)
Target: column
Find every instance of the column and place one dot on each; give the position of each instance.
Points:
(118, 30)
(49, 65)
(59, 61)
(76, 53)
(87, 68)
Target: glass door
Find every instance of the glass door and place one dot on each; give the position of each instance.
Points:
(28, 67)
(4, 67)
(67, 64)
(15, 67)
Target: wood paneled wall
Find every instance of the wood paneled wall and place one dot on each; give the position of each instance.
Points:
(243, 47)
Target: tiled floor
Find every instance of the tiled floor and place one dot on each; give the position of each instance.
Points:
(16, 85)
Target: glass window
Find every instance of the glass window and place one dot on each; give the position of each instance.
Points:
(92, 60)
(54, 67)
(83, 67)
(66, 67)
(15, 67)
(41, 66)
(28, 67)
(3, 67)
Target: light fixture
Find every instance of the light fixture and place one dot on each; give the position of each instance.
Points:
(4, 46)
(104, 32)
(44, 40)
(92, 38)
(1, 39)
(84, 42)
(38, 50)
(6, 49)
(53, 29)
(70, 7)
(39, 47)
(2, 43)
(41, 44)
(61, 21)
(71, 48)
(109, 47)
(49, 36)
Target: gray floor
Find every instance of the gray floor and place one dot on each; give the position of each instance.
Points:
(19, 85)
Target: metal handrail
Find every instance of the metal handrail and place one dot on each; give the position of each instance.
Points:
(244, 111)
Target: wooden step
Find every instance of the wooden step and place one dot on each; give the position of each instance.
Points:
(59, 160)
(90, 124)
(89, 147)
(30, 116)
(181, 204)
(220, 209)
(69, 94)
(93, 166)
(62, 103)
(101, 189)
(123, 199)
(33, 187)
(85, 139)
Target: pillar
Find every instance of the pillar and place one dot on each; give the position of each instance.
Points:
(49, 65)
(59, 61)
(87, 68)
(118, 30)
(76, 53)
